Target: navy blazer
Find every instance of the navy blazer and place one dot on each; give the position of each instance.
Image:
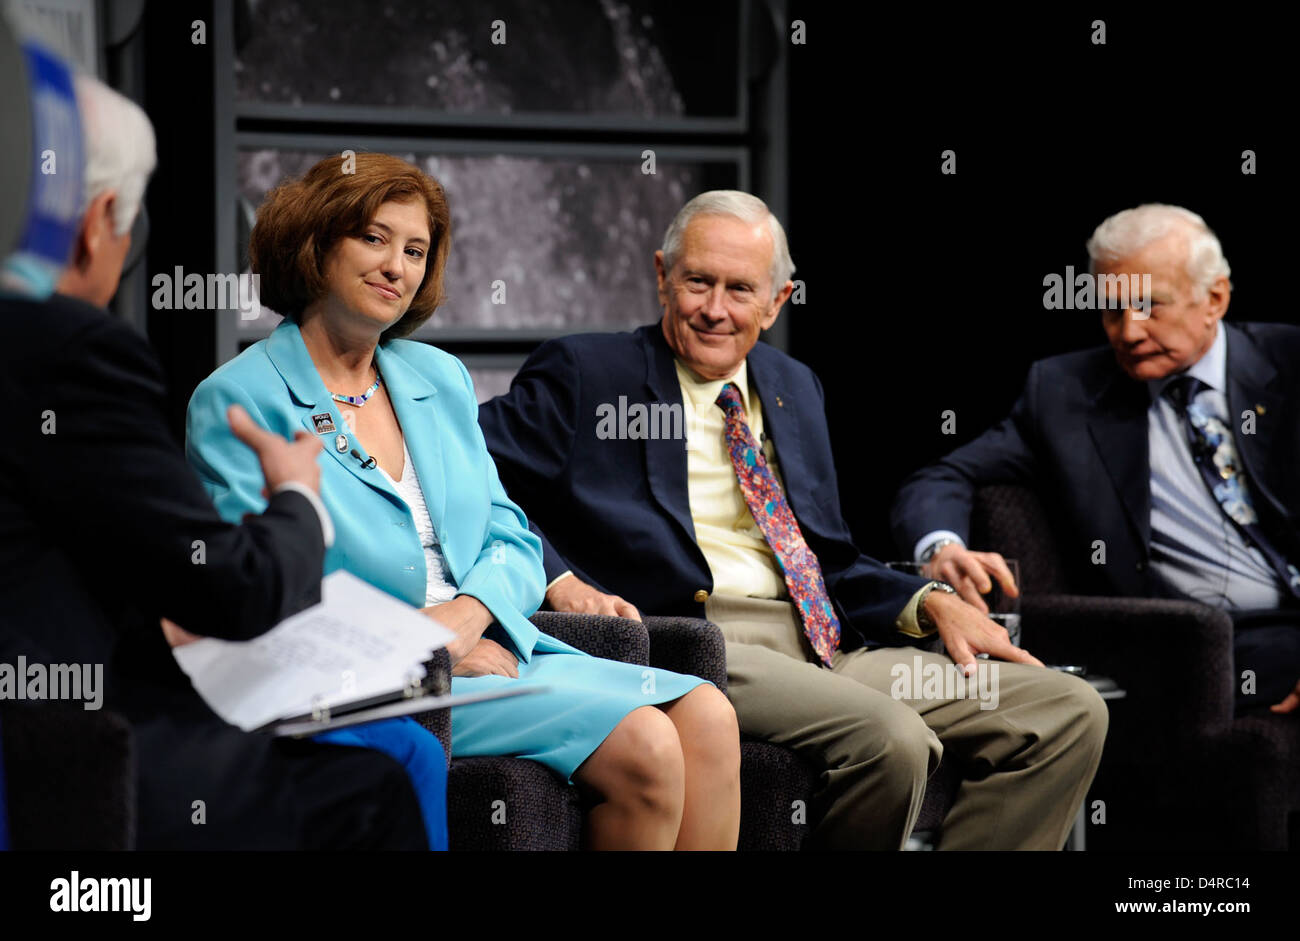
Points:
(617, 510)
(1078, 435)
(102, 522)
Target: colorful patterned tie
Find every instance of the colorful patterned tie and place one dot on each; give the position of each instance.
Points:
(1215, 454)
(803, 574)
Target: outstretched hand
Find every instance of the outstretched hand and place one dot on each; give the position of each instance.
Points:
(282, 461)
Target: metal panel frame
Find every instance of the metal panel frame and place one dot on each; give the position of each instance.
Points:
(755, 140)
(542, 121)
(225, 191)
(335, 143)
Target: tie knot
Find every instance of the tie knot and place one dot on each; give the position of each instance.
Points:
(1183, 390)
(729, 398)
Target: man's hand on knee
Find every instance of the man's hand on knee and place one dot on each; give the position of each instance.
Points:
(967, 632)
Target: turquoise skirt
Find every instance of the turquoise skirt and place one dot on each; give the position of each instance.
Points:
(586, 698)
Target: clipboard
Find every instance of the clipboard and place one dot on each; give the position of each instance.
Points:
(404, 707)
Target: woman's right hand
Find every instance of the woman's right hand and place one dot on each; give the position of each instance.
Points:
(488, 658)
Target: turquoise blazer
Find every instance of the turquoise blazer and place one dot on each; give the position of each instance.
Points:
(490, 552)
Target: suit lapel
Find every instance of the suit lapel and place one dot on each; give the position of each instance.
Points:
(289, 355)
(665, 458)
(1119, 430)
(1250, 376)
(412, 397)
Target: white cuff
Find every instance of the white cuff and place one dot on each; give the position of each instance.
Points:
(558, 578)
(326, 524)
(930, 538)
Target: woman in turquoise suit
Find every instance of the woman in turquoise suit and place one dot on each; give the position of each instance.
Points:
(355, 260)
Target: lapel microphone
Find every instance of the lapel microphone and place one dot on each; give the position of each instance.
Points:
(366, 463)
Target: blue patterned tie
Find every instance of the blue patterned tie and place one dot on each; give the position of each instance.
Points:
(1215, 455)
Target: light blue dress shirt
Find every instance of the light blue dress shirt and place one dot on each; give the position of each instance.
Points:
(1194, 546)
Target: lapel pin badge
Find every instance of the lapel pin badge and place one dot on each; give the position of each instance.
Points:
(1259, 409)
(324, 423)
(341, 444)
(779, 403)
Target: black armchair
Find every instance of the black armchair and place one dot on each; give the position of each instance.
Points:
(1179, 771)
(499, 803)
(506, 803)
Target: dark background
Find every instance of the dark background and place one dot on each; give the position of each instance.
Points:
(924, 291)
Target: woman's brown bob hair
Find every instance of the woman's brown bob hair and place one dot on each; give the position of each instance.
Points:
(302, 220)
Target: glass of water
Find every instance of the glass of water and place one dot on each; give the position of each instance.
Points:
(1004, 609)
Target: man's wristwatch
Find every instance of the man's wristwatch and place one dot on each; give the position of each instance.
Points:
(933, 548)
(923, 619)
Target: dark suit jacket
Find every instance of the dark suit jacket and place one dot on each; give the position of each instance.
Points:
(617, 511)
(100, 517)
(1078, 434)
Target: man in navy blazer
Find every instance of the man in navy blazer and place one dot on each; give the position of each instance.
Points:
(105, 531)
(1110, 442)
(633, 453)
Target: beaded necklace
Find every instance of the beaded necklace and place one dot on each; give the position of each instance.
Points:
(358, 400)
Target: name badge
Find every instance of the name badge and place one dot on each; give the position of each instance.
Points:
(324, 423)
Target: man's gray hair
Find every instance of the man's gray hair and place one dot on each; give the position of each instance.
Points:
(119, 145)
(1129, 231)
(738, 205)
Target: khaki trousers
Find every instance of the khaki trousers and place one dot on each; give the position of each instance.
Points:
(1027, 739)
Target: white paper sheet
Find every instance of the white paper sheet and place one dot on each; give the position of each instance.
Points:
(358, 642)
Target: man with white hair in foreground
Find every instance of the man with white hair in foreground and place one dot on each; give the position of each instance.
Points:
(101, 520)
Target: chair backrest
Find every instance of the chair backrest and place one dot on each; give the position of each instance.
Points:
(1010, 519)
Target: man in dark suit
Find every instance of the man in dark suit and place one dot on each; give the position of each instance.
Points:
(1167, 460)
(687, 467)
(105, 530)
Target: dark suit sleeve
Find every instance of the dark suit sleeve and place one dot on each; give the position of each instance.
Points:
(941, 495)
(115, 482)
(530, 432)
